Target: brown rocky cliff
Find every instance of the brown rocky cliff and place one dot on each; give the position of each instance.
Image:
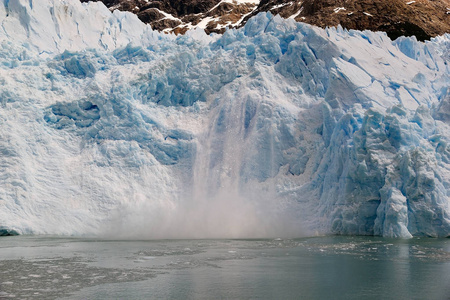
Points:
(422, 18)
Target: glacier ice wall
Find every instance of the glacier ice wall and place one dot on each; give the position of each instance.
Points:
(278, 128)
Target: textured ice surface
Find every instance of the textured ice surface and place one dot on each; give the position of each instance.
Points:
(278, 128)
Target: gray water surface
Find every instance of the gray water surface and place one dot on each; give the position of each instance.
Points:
(308, 268)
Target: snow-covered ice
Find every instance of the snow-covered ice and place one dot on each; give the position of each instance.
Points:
(277, 128)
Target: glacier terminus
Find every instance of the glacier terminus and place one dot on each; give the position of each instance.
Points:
(277, 128)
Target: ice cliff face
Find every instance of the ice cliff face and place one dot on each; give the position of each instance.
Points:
(107, 127)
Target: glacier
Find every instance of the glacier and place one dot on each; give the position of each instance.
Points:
(108, 128)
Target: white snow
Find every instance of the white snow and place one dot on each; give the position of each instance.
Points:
(168, 16)
(281, 5)
(275, 129)
(255, 2)
(338, 9)
(204, 22)
(296, 14)
(239, 2)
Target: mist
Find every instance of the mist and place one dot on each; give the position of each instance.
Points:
(227, 215)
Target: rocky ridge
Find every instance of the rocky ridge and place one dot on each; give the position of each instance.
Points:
(422, 18)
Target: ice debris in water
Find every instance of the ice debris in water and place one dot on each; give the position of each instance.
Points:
(269, 130)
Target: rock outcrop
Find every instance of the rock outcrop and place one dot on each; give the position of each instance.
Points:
(421, 18)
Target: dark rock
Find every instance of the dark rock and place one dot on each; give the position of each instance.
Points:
(150, 15)
(422, 18)
(7, 232)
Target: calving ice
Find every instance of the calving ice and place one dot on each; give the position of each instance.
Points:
(278, 128)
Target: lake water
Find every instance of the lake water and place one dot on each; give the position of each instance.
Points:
(307, 268)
